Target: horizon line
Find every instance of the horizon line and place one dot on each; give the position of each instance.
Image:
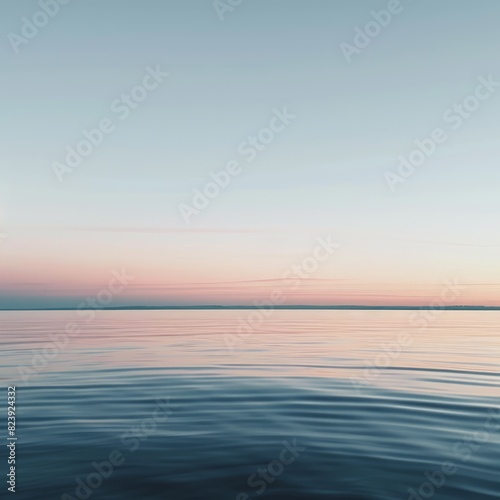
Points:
(253, 307)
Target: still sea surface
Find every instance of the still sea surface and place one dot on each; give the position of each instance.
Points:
(358, 405)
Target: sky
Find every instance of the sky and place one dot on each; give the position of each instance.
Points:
(302, 117)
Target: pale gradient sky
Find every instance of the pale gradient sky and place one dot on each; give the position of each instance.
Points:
(323, 175)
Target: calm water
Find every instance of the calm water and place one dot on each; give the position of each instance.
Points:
(187, 410)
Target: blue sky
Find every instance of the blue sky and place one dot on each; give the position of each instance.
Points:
(323, 174)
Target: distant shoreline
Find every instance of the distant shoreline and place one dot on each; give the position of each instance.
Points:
(252, 307)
